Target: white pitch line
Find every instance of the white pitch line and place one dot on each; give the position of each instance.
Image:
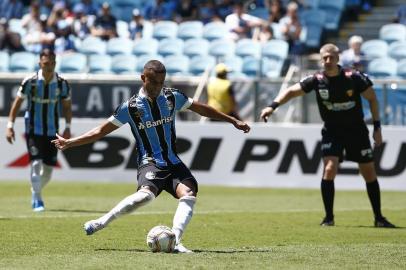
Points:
(74, 215)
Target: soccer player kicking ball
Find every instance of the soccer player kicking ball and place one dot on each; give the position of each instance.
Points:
(151, 115)
(338, 93)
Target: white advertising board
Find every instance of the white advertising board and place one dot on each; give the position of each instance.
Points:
(270, 155)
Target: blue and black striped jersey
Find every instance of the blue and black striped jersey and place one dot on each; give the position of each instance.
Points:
(152, 123)
(43, 103)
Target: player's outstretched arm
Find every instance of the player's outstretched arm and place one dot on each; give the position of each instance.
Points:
(88, 137)
(283, 97)
(210, 112)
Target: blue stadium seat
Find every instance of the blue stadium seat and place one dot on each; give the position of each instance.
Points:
(119, 46)
(199, 63)
(397, 50)
(215, 30)
(275, 49)
(374, 48)
(222, 48)
(393, 32)
(143, 59)
(234, 63)
(176, 65)
(123, 64)
(382, 67)
(4, 61)
(401, 71)
(260, 12)
(165, 29)
(122, 29)
(248, 47)
(145, 46)
(190, 29)
(123, 13)
(99, 63)
(334, 10)
(170, 46)
(272, 68)
(196, 46)
(251, 67)
(148, 30)
(93, 45)
(23, 62)
(72, 63)
(311, 4)
(313, 21)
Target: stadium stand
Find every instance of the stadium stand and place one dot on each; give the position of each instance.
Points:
(248, 47)
(176, 65)
(196, 46)
(145, 46)
(119, 46)
(393, 32)
(93, 45)
(189, 30)
(198, 64)
(382, 67)
(170, 46)
(397, 50)
(22, 62)
(401, 72)
(215, 30)
(334, 10)
(123, 64)
(165, 29)
(374, 49)
(222, 48)
(72, 63)
(99, 64)
(4, 59)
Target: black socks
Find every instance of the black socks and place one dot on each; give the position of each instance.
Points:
(327, 193)
(374, 195)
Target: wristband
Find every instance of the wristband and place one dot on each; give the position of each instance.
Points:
(274, 105)
(377, 125)
(10, 124)
(67, 125)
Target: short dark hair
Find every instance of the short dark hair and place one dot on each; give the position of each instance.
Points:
(47, 52)
(155, 66)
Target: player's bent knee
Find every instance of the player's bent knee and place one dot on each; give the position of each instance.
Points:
(36, 166)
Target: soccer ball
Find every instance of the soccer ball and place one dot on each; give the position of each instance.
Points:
(161, 239)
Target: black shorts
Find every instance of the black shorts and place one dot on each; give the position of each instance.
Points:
(349, 143)
(40, 147)
(164, 178)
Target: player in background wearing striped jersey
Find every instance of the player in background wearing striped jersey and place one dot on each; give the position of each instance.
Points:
(45, 92)
(151, 116)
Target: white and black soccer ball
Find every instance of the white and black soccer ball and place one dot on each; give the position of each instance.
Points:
(161, 239)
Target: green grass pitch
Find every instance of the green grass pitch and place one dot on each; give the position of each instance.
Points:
(232, 228)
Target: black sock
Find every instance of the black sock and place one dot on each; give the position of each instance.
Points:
(374, 195)
(327, 193)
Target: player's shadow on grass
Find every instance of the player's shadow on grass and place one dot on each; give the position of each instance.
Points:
(76, 211)
(233, 251)
(365, 226)
(194, 250)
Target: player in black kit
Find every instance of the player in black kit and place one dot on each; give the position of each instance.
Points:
(338, 93)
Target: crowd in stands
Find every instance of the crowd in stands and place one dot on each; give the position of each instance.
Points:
(64, 25)
(57, 23)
